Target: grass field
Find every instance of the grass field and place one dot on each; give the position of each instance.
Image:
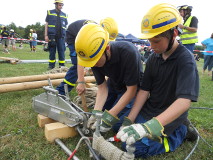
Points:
(22, 139)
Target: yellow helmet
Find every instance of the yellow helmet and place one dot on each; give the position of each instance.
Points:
(159, 19)
(111, 26)
(90, 44)
(58, 1)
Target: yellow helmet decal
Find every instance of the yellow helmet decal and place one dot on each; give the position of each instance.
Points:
(90, 44)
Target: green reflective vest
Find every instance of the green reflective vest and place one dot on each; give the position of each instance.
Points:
(188, 37)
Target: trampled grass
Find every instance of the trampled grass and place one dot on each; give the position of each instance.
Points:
(21, 138)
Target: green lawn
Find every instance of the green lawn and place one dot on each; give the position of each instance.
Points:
(22, 139)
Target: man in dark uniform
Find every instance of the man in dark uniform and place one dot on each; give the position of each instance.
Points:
(55, 27)
(169, 85)
(120, 62)
(72, 74)
(5, 40)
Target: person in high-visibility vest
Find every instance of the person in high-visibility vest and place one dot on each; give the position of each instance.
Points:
(30, 39)
(55, 29)
(1, 29)
(189, 28)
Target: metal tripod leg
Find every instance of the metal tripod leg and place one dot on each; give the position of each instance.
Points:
(67, 151)
(89, 146)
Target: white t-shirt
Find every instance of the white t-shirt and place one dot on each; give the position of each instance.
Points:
(34, 35)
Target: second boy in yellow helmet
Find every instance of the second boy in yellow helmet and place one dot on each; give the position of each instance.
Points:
(76, 72)
(120, 62)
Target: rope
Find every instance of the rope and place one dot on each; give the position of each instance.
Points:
(57, 70)
(108, 150)
(201, 108)
(90, 95)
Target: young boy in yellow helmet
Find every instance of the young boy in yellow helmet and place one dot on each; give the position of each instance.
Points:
(120, 62)
(76, 72)
(169, 85)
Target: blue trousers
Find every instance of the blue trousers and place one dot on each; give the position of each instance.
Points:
(147, 147)
(113, 97)
(60, 46)
(190, 47)
(208, 62)
(72, 74)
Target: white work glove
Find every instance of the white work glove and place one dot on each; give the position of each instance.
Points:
(131, 134)
(151, 129)
(92, 120)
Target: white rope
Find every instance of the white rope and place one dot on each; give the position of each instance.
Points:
(108, 150)
(90, 95)
(57, 70)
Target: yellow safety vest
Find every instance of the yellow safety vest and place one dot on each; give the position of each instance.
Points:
(188, 37)
(30, 36)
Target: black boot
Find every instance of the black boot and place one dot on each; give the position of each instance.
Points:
(191, 134)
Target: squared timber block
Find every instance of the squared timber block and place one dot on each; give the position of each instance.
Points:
(58, 130)
(42, 120)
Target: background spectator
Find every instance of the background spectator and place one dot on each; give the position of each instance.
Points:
(31, 38)
(34, 40)
(12, 40)
(5, 41)
(189, 35)
(208, 57)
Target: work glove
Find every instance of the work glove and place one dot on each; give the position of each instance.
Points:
(151, 129)
(126, 122)
(108, 121)
(92, 120)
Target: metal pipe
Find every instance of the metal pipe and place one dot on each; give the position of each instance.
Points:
(88, 144)
(67, 151)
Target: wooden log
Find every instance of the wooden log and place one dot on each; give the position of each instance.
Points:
(10, 60)
(35, 84)
(84, 103)
(27, 85)
(9, 80)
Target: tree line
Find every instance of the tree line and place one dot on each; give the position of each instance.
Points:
(22, 32)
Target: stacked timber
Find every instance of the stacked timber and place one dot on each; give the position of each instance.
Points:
(33, 82)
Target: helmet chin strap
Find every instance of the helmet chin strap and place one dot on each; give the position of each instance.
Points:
(107, 58)
(171, 41)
